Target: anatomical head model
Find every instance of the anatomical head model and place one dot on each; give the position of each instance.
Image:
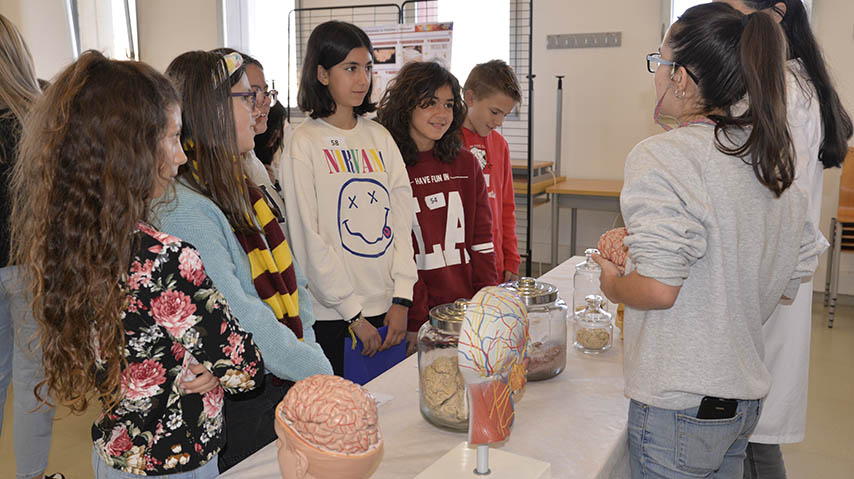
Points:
(327, 427)
(492, 349)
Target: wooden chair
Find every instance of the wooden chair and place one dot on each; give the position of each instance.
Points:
(841, 234)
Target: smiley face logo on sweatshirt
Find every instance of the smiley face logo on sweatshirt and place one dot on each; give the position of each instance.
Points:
(364, 216)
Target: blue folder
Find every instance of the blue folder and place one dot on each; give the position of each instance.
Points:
(361, 369)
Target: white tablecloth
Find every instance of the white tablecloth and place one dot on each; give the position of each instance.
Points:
(575, 421)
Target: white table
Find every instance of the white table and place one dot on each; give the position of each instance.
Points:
(575, 421)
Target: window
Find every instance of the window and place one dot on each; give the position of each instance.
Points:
(108, 26)
(473, 44)
(260, 28)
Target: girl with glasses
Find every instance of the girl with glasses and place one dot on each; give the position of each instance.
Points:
(232, 224)
(717, 235)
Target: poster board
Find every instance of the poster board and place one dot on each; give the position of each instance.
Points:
(396, 45)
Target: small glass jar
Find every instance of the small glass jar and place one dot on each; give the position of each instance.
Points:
(547, 318)
(593, 330)
(442, 389)
(586, 281)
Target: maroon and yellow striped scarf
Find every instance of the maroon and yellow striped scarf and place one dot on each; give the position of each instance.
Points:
(271, 264)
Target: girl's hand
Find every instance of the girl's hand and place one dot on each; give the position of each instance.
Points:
(395, 319)
(369, 337)
(509, 276)
(204, 382)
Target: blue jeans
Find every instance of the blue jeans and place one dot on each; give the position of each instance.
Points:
(103, 471)
(19, 348)
(670, 444)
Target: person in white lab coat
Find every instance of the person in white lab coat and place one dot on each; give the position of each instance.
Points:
(820, 128)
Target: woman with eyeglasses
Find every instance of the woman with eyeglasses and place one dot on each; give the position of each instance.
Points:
(820, 129)
(232, 224)
(718, 234)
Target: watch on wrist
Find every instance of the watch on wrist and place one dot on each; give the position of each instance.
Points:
(402, 301)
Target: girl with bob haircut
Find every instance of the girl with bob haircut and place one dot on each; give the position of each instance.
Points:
(424, 111)
(123, 309)
(820, 129)
(234, 228)
(717, 236)
(348, 200)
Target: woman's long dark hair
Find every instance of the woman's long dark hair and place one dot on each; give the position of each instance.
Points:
(414, 86)
(89, 157)
(835, 121)
(734, 56)
(209, 135)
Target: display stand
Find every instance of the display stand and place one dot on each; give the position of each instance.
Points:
(461, 461)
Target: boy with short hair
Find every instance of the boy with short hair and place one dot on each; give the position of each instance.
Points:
(491, 92)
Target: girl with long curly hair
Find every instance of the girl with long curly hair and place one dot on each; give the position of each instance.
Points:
(452, 231)
(124, 311)
(221, 211)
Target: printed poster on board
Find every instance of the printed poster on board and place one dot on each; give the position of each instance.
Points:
(396, 45)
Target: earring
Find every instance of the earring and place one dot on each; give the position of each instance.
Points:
(679, 94)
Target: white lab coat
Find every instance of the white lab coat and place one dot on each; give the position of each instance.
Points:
(787, 331)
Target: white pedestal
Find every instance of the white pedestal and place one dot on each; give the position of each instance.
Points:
(461, 461)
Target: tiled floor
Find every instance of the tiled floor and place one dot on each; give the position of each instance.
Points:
(828, 451)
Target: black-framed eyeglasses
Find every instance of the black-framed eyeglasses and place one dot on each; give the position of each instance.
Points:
(653, 60)
(248, 96)
(273, 95)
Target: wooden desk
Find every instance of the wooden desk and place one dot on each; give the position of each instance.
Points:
(601, 195)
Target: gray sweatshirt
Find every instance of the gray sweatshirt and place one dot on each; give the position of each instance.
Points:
(700, 219)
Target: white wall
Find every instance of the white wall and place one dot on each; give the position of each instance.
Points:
(44, 25)
(168, 28)
(608, 101)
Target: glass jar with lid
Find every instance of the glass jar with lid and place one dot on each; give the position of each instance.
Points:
(442, 395)
(547, 318)
(585, 282)
(593, 329)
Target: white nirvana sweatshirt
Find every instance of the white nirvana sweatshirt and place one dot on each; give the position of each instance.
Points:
(349, 209)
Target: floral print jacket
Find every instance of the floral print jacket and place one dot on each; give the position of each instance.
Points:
(174, 317)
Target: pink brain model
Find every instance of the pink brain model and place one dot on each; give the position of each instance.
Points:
(332, 414)
(611, 247)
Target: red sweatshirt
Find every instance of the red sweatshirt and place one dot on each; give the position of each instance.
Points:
(451, 232)
(493, 154)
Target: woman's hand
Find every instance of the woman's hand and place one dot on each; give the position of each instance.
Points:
(205, 381)
(608, 278)
(395, 319)
(369, 337)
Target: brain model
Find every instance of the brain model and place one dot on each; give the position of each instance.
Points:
(611, 247)
(333, 414)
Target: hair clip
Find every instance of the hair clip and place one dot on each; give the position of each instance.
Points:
(233, 61)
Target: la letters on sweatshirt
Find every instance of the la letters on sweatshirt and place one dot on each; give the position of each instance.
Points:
(451, 232)
(349, 209)
(493, 154)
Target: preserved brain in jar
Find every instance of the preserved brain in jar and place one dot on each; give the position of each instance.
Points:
(444, 390)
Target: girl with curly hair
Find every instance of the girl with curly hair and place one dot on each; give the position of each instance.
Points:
(452, 231)
(123, 310)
